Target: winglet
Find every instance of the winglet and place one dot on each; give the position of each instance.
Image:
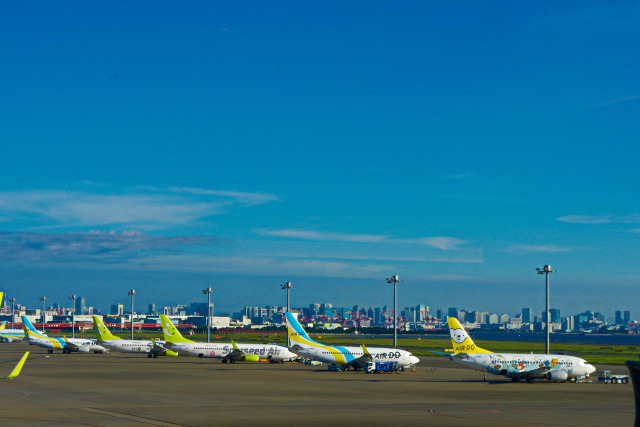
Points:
(365, 351)
(17, 368)
(235, 347)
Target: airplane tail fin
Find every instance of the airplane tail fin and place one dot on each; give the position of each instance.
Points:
(17, 368)
(29, 330)
(102, 332)
(461, 341)
(3, 324)
(297, 335)
(170, 332)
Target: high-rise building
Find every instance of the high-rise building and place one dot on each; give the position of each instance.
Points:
(81, 305)
(619, 319)
(453, 312)
(626, 317)
(555, 315)
(152, 309)
(526, 315)
(117, 309)
(377, 316)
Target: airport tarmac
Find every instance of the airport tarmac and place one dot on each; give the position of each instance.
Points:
(125, 389)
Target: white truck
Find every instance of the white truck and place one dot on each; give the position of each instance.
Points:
(606, 377)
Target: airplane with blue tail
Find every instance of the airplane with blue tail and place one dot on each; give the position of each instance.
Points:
(67, 345)
(345, 357)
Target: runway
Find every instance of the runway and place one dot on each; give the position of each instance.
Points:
(124, 389)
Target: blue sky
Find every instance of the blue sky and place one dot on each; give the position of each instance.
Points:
(240, 145)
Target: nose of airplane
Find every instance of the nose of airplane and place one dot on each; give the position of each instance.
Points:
(590, 369)
(414, 360)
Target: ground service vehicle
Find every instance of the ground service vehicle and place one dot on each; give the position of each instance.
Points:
(373, 367)
(606, 377)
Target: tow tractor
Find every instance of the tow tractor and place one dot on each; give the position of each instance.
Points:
(606, 377)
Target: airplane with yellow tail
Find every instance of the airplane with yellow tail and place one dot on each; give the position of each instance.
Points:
(517, 366)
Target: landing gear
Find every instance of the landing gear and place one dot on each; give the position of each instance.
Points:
(530, 380)
(515, 379)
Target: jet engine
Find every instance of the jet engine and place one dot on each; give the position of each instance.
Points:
(558, 375)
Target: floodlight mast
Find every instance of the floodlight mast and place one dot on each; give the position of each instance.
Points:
(394, 280)
(13, 303)
(288, 286)
(132, 292)
(208, 292)
(73, 316)
(546, 270)
(43, 299)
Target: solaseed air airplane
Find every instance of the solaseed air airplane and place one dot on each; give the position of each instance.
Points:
(112, 342)
(67, 345)
(346, 357)
(228, 352)
(516, 366)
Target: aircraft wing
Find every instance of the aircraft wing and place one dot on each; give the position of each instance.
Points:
(528, 373)
(236, 353)
(360, 361)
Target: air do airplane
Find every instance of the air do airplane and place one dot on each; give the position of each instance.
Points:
(516, 366)
(346, 357)
(67, 345)
(228, 352)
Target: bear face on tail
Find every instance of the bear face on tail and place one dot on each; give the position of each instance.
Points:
(458, 335)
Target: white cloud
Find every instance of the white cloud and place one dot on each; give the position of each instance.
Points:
(439, 242)
(540, 248)
(143, 208)
(585, 219)
(602, 219)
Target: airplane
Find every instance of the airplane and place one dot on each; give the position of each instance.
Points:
(16, 370)
(110, 341)
(13, 335)
(229, 353)
(516, 366)
(80, 345)
(345, 357)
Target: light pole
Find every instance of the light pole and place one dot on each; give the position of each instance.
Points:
(394, 280)
(13, 303)
(288, 286)
(132, 292)
(546, 270)
(208, 291)
(73, 316)
(44, 319)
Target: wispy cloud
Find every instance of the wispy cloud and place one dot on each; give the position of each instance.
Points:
(142, 208)
(439, 242)
(540, 249)
(602, 219)
(94, 247)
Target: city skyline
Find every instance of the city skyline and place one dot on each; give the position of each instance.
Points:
(240, 147)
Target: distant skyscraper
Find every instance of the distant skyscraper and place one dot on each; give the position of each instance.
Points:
(152, 309)
(453, 312)
(80, 305)
(555, 315)
(377, 316)
(619, 319)
(526, 315)
(117, 309)
(626, 317)
(423, 312)
(440, 314)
